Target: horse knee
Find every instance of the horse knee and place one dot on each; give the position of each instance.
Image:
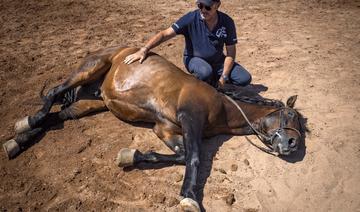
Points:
(194, 161)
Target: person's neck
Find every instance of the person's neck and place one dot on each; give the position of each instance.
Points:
(211, 23)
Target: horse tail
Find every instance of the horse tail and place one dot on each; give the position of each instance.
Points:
(68, 98)
(65, 99)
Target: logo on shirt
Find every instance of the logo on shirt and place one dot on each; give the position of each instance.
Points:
(221, 32)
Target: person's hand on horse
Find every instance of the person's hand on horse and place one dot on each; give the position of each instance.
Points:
(139, 55)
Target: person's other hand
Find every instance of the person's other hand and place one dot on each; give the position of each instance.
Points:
(139, 55)
(221, 82)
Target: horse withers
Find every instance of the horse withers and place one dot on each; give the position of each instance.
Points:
(183, 109)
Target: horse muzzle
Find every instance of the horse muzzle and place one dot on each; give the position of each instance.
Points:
(283, 143)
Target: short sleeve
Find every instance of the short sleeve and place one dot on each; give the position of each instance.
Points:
(231, 33)
(180, 25)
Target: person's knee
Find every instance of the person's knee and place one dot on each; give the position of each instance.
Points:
(240, 76)
(203, 73)
(200, 69)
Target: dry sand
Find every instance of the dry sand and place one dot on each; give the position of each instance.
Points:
(305, 47)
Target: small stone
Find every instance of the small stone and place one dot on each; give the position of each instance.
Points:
(221, 170)
(81, 149)
(230, 199)
(246, 162)
(234, 167)
(76, 171)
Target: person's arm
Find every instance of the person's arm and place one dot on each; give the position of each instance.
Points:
(152, 43)
(228, 63)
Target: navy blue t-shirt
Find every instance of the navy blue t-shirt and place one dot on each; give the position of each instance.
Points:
(203, 43)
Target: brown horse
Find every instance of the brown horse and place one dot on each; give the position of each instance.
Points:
(183, 109)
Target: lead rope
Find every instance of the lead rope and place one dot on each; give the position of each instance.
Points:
(262, 137)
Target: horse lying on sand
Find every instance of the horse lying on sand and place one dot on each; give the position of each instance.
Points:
(183, 109)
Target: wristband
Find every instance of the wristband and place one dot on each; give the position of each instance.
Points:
(146, 48)
(226, 78)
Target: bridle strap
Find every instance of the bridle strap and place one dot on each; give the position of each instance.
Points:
(293, 129)
(268, 151)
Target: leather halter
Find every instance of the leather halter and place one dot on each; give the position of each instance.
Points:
(267, 140)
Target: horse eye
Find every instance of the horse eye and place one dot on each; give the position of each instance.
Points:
(291, 114)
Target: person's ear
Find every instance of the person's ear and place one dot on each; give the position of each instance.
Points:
(218, 4)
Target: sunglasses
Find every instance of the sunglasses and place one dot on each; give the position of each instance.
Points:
(201, 6)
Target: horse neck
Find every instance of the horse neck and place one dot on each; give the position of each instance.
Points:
(253, 111)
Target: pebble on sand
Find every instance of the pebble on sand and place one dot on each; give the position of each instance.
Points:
(246, 162)
(234, 167)
(230, 199)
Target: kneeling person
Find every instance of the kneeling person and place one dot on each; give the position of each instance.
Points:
(206, 31)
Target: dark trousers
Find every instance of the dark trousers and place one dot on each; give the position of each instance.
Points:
(202, 70)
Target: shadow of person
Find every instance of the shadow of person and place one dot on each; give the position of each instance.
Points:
(252, 90)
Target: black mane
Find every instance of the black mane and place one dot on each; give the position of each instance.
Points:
(259, 100)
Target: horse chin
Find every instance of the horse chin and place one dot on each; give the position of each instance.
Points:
(284, 153)
(281, 150)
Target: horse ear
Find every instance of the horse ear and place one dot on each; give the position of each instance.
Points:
(291, 101)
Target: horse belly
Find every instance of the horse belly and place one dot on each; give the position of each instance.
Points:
(128, 111)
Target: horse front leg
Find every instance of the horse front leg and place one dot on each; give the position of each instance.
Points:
(192, 126)
(89, 71)
(168, 133)
(131, 157)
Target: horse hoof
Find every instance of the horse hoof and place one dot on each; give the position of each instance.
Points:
(11, 148)
(125, 157)
(189, 205)
(22, 125)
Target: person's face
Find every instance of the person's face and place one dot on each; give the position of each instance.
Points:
(208, 12)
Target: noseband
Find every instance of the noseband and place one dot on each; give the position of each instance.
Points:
(267, 140)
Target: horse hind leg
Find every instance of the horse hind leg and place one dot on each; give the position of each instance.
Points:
(92, 69)
(76, 110)
(14, 146)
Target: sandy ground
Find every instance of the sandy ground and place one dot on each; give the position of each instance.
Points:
(309, 48)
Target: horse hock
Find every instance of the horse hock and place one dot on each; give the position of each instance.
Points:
(22, 125)
(125, 157)
(11, 148)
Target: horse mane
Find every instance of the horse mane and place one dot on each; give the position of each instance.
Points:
(253, 99)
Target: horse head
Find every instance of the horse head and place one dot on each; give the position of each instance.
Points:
(283, 128)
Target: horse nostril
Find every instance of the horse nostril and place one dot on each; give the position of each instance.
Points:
(292, 142)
